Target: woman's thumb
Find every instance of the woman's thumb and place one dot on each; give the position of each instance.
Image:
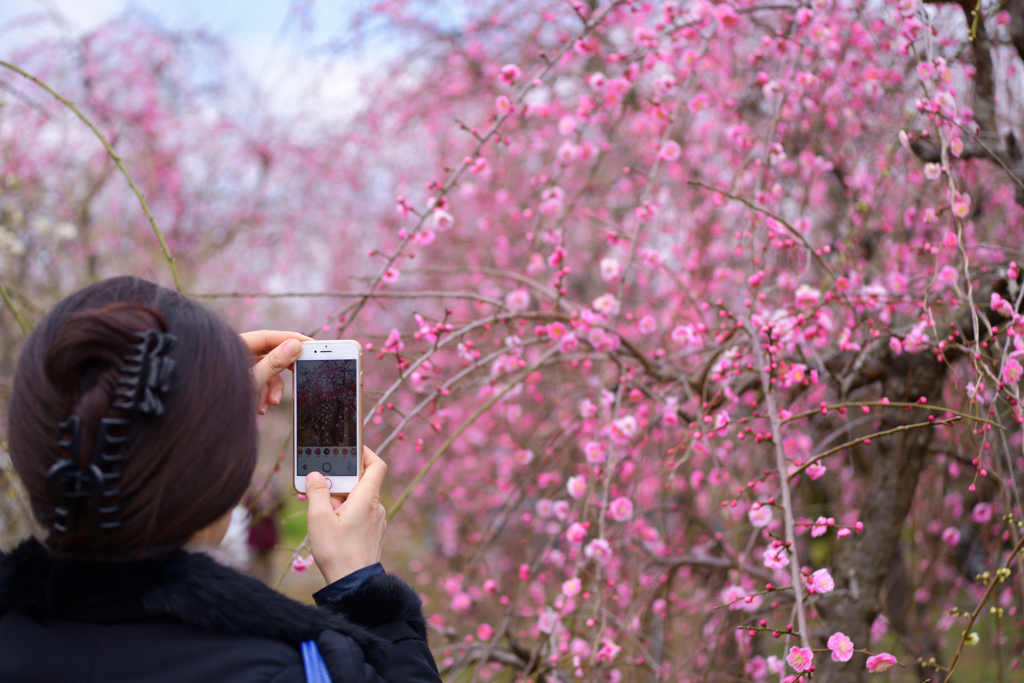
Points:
(318, 495)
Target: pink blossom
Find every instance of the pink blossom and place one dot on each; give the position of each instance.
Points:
(819, 33)
(737, 598)
(624, 428)
(510, 73)
(841, 646)
(567, 153)
(611, 269)
(880, 662)
(982, 513)
(670, 151)
(759, 515)
(819, 527)
(932, 171)
(607, 652)
(479, 166)
(547, 620)
(815, 471)
(776, 557)
(576, 533)
(484, 632)
(956, 147)
(461, 602)
(503, 105)
(757, 669)
(598, 550)
(807, 296)
(1012, 371)
(647, 324)
(393, 343)
(800, 658)
(895, 345)
(517, 300)
(442, 220)
(390, 275)
(576, 486)
(726, 16)
(551, 198)
(621, 509)
(594, 453)
(686, 335)
(698, 103)
(301, 564)
(607, 304)
(951, 536)
(1001, 305)
(962, 205)
(879, 627)
(571, 587)
(820, 582)
(523, 456)
(949, 275)
(597, 80)
(568, 344)
(555, 330)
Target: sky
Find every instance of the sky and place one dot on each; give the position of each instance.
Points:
(264, 38)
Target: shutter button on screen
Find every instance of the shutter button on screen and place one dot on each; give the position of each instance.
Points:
(327, 467)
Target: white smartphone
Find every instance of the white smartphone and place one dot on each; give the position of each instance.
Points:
(328, 413)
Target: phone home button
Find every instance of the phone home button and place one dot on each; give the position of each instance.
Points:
(330, 483)
(326, 467)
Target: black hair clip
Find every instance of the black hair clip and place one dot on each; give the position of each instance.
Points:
(71, 487)
(76, 485)
(68, 485)
(149, 374)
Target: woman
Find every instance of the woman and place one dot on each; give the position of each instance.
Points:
(132, 427)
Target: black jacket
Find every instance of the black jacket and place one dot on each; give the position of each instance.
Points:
(182, 617)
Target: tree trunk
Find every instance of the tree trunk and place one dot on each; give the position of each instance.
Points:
(892, 466)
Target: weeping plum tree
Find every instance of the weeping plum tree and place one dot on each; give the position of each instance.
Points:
(693, 328)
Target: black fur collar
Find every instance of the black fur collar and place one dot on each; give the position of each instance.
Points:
(186, 587)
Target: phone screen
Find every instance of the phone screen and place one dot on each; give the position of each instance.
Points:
(326, 407)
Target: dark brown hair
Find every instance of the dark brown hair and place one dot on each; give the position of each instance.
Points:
(181, 470)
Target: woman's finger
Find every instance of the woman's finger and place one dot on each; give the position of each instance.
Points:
(275, 390)
(368, 487)
(275, 362)
(261, 342)
(261, 401)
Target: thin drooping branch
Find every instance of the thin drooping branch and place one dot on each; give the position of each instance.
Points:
(117, 160)
(14, 311)
(787, 494)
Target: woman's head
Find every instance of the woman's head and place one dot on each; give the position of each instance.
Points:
(181, 469)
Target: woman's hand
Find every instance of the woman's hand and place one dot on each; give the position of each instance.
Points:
(346, 535)
(275, 351)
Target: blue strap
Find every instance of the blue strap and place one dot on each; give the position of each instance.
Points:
(314, 664)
